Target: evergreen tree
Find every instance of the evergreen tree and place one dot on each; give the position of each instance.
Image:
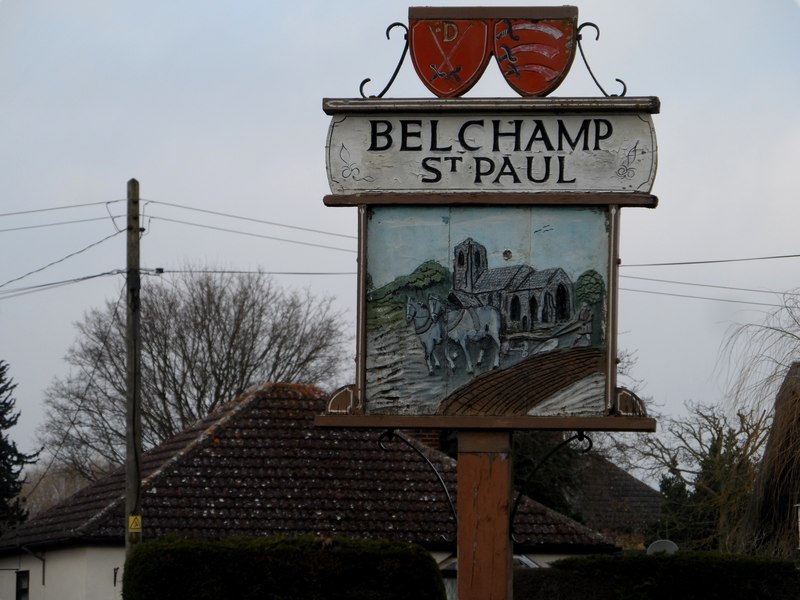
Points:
(546, 472)
(12, 461)
(544, 468)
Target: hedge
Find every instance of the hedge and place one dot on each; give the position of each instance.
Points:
(281, 569)
(681, 576)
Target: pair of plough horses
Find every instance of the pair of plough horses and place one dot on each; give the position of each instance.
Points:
(436, 322)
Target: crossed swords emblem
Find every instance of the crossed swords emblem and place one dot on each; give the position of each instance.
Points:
(438, 72)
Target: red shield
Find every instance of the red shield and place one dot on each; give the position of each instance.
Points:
(534, 54)
(449, 55)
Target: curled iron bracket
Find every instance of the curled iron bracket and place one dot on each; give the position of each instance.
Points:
(579, 436)
(388, 436)
(585, 62)
(396, 69)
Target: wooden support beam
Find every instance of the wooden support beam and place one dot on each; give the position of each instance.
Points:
(484, 493)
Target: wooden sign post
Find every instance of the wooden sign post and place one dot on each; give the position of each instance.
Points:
(488, 254)
(484, 500)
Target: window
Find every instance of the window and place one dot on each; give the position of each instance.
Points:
(549, 308)
(533, 308)
(562, 303)
(515, 308)
(23, 585)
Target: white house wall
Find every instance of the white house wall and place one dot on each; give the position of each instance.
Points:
(71, 574)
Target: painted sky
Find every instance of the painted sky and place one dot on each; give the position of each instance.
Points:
(399, 239)
(216, 107)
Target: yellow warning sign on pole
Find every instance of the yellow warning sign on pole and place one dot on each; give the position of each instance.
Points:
(135, 524)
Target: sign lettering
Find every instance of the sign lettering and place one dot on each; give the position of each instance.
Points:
(463, 153)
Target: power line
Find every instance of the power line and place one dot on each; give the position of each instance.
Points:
(44, 287)
(60, 260)
(57, 224)
(711, 262)
(708, 285)
(244, 272)
(701, 298)
(63, 207)
(252, 219)
(258, 235)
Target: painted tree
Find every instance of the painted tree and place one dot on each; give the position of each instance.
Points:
(205, 338)
(12, 461)
(590, 289)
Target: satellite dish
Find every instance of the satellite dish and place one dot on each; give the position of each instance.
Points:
(662, 547)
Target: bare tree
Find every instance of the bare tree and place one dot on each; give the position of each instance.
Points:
(763, 361)
(707, 464)
(758, 355)
(45, 488)
(205, 337)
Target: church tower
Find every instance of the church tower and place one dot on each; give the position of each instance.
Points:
(469, 263)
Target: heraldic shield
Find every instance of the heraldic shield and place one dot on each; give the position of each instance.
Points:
(534, 46)
(449, 55)
(534, 56)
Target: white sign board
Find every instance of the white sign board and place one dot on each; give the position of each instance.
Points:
(474, 152)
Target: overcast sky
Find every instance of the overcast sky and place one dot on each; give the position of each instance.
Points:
(216, 106)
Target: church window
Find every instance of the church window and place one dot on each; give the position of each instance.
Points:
(549, 308)
(515, 309)
(562, 303)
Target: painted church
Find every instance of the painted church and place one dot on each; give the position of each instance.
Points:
(526, 298)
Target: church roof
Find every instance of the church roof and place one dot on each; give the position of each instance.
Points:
(542, 279)
(503, 278)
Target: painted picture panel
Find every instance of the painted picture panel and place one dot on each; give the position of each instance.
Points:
(487, 310)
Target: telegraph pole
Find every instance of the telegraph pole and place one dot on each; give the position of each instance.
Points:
(133, 478)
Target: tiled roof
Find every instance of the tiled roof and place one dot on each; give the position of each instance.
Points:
(258, 466)
(502, 278)
(541, 279)
(611, 500)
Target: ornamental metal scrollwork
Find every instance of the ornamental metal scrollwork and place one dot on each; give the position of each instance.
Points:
(579, 436)
(396, 69)
(389, 435)
(585, 62)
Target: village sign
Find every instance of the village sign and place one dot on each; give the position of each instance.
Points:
(488, 254)
(489, 227)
